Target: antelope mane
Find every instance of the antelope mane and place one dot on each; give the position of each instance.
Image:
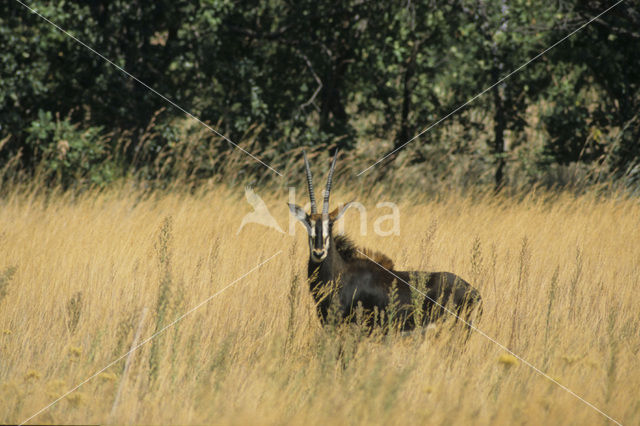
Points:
(348, 250)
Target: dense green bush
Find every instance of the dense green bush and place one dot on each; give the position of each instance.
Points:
(68, 154)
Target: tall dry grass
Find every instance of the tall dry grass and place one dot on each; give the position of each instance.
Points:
(559, 276)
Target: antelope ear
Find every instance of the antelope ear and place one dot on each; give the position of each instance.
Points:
(298, 212)
(339, 211)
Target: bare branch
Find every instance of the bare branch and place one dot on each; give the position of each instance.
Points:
(311, 100)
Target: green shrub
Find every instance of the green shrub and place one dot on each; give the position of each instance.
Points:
(67, 153)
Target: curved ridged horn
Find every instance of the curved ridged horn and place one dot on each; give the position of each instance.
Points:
(327, 192)
(312, 196)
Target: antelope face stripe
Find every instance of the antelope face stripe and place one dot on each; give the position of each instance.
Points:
(319, 239)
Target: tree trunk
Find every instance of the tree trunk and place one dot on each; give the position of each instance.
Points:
(500, 117)
(334, 119)
(404, 132)
(500, 124)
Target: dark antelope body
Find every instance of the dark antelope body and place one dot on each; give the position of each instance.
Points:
(367, 278)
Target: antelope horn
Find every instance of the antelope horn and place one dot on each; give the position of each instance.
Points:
(327, 192)
(312, 196)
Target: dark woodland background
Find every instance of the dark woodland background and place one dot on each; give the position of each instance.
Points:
(277, 77)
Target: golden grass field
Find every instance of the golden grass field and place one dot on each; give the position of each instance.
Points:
(559, 275)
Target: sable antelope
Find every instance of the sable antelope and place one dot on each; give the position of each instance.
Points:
(367, 278)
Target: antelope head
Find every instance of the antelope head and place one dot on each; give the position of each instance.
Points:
(318, 225)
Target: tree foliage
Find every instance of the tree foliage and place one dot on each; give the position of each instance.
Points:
(324, 74)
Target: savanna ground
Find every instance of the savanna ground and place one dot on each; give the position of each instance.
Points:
(559, 275)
